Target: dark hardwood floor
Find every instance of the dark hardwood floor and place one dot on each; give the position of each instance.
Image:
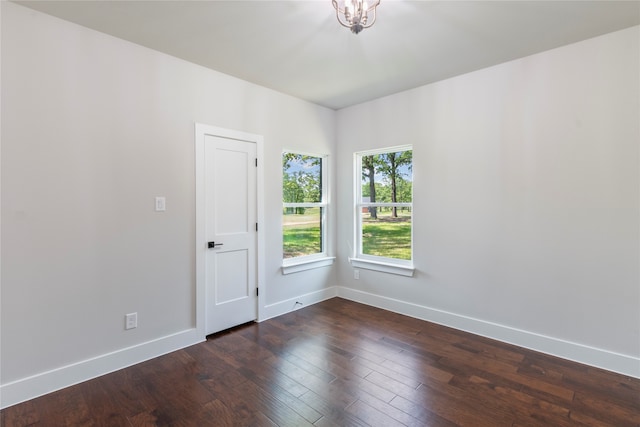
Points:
(339, 363)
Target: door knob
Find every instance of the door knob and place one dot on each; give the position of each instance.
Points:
(212, 245)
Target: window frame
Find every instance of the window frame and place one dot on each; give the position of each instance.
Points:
(322, 258)
(374, 262)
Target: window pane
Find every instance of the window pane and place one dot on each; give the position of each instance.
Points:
(384, 234)
(387, 177)
(302, 178)
(302, 233)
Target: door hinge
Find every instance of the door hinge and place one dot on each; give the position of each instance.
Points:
(256, 226)
(256, 291)
(256, 162)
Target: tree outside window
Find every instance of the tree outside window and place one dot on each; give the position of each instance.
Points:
(384, 204)
(304, 207)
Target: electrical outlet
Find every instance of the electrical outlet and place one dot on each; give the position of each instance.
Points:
(131, 321)
(356, 274)
(161, 204)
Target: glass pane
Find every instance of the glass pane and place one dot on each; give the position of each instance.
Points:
(387, 177)
(302, 231)
(384, 234)
(301, 178)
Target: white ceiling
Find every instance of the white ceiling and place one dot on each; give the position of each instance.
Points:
(297, 47)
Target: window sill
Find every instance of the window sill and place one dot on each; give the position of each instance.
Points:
(296, 267)
(384, 267)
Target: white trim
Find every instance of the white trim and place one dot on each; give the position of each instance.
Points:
(200, 131)
(1, 391)
(262, 247)
(306, 264)
(384, 150)
(304, 153)
(611, 361)
(384, 267)
(324, 218)
(385, 205)
(284, 307)
(47, 382)
(304, 205)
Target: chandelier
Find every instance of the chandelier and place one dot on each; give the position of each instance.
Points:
(354, 14)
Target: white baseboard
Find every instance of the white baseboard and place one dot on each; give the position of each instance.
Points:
(286, 306)
(47, 382)
(37, 385)
(620, 363)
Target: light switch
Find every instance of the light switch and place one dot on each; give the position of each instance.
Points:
(161, 204)
(131, 321)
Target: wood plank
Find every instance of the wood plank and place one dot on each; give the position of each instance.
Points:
(339, 363)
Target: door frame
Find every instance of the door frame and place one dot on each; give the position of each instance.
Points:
(200, 189)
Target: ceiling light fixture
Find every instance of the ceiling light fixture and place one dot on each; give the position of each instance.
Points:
(354, 14)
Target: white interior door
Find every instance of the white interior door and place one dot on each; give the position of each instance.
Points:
(231, 237)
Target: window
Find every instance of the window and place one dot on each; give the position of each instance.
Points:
(304, 212)
(384, 205)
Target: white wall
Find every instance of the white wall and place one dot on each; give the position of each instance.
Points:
(93, 129)
(526, 200)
